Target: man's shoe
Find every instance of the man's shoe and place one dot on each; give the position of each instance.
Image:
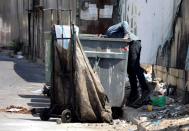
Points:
(145, 97)
(140, 101)
(136, 104)
(145, 94)
(133, 100)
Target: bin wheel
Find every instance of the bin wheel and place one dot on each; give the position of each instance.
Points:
(117, 112)
(44, 115)
(66, 116)
(58, 121)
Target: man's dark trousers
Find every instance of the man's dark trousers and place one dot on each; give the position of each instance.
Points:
(134, 70)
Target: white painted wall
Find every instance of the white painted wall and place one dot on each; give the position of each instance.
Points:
(152, 21)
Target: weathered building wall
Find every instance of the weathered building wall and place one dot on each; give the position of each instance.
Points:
(152, 21)
(95, 16)
(42, 20)
(173, 57)
(13, 21)
(174, 53)
(163, 27)
(20, 22)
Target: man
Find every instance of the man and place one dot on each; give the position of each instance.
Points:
(121, 30)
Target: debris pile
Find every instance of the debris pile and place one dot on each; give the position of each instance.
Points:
(16, 109)
(170, 111)
(124, 124)
(163, 102)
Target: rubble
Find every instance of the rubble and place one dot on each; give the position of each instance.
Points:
(16, 109)
(148, 77)
(171, 111)
(171, 115)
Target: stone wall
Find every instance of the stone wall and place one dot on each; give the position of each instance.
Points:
(172, 76)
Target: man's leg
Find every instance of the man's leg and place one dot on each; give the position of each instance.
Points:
(138, 70)
(134, 94)
(132, 59)
(140, 75)
(142, 80)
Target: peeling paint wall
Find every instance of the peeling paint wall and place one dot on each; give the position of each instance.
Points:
(152, 21)
(176, 54)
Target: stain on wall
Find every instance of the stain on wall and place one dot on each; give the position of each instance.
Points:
(174, 52)
(152, 21)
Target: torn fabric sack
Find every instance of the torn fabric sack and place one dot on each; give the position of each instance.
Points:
(91, 101)
(82, 92)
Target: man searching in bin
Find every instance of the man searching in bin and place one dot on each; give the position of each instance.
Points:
(136, 98)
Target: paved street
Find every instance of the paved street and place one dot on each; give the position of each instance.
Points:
(20, 122)
(21, 83)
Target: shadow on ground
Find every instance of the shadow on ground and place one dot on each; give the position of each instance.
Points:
(30, 72)
(37, 101)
